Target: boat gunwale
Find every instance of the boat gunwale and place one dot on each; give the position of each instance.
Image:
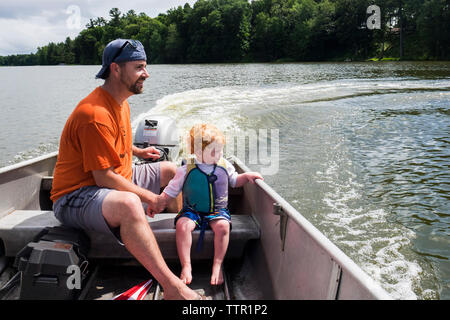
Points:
(27, 162)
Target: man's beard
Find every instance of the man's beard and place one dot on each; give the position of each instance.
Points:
(135, 88)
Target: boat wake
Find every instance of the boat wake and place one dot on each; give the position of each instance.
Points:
(239, 107)
(365, 233)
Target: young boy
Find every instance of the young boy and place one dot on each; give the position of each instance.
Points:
(205, 197)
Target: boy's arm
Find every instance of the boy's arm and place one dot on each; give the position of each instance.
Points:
(243, 178)
(163, 200)
(171, 191)
(238, 180)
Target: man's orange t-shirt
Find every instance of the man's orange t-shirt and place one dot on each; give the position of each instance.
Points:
(96, 136)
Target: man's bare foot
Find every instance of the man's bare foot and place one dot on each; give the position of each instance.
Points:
(180, 292)
(186, 274)
(217, 274)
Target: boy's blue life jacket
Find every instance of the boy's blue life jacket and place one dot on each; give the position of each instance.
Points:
(205, 194)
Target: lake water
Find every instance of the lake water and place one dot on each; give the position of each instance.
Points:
(363, 147)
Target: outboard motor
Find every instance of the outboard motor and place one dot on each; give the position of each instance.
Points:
(160, 132)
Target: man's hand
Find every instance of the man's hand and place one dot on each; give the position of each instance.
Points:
(151, 200)
(109, 179)
(146, 153)
(158, 205)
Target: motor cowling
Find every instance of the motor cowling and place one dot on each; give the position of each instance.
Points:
(161, 132)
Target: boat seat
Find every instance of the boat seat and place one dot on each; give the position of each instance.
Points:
(19, 228)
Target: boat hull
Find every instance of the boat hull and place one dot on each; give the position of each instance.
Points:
(288, 258)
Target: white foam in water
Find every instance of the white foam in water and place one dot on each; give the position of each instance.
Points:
(377, 242)
(211, 104)
(397, 274)
(203, 105)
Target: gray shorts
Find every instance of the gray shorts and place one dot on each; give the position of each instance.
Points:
(82, 208)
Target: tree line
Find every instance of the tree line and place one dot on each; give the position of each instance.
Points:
(262, 31)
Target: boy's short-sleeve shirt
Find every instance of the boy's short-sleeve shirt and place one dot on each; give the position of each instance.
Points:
(175, 185)
(96, 136)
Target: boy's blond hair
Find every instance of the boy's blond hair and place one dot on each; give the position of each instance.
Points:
(206, 134)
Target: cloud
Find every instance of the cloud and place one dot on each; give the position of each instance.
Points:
(29, 34)
(26, 25)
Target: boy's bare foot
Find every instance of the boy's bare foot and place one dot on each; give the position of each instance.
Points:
(217, 274)
(186, 274)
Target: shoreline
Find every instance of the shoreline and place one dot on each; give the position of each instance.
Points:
(278, 61)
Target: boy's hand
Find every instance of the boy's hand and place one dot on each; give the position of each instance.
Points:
(158, 205)
(243, 178)
(252, 176)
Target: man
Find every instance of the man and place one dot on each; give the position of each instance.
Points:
(93, 185)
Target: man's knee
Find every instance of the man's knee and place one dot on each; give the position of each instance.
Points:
(130, 200)
(120, 205)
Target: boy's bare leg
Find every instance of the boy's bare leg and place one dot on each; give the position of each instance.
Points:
(124, 210)
(184, 229)
(221, 228)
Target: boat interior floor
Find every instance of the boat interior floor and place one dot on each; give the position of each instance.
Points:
(112, 280)
(107, 279)
(112, 270)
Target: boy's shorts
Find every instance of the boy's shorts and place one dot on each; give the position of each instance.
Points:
(199, 219)
(82, 208)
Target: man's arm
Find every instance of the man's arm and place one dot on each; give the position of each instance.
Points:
(109, 179)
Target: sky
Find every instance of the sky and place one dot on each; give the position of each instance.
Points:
(26, 25)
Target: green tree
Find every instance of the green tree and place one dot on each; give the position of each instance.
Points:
(173, 47)
(302, 26)
(351, 32)
(433, 23)
(114, 13)
(87, 44)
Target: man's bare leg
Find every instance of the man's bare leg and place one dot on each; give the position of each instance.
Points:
(124, 210)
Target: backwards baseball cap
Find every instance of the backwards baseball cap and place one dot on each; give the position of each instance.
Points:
(121, 50)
